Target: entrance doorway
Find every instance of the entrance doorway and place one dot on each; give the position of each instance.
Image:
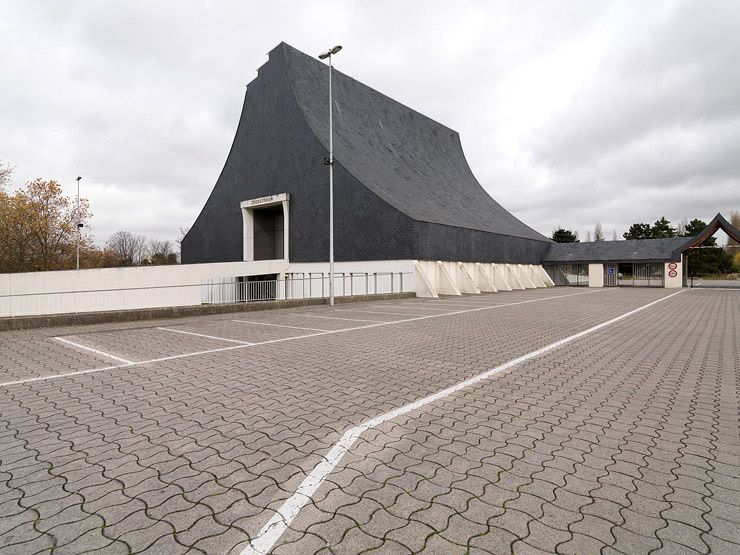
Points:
(266, 227)
(640, 275)
(268, 232)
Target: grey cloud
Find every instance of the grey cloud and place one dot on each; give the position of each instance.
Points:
(570, 112)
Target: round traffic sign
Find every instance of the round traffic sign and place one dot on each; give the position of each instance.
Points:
(673, 265)
(672, 273)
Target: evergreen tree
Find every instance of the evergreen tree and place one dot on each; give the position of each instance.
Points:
(562, 235)
(638, 231)
(662, 229)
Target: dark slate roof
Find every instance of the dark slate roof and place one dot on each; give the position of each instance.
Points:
(641, 250)
(409, 160)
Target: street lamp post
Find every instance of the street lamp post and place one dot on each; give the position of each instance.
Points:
(79, 223)
(330, 163)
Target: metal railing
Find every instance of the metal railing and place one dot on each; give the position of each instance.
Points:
(304, 285)
(574, 275)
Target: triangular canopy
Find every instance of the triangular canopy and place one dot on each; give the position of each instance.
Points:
(717, 223)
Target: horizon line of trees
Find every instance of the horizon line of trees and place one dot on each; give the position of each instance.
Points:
(39, 232)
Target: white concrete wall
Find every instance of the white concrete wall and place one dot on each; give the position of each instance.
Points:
(103, 289)
(596, 275)
(675, 281)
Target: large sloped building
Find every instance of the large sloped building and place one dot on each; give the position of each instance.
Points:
(405, 199)
(403, 188)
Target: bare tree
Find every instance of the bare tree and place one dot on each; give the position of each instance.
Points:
(598, 233)
(681, 228)
(5, 172)
(128, 248)
(183, 233)
(161, 252)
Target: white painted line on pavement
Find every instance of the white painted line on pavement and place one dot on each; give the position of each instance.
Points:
(278, 325)
(336, 318)
(409, 307)
(206, 336)
(66, 375)
(377, 312)
(96, 351)
(374, 324)
(273, 530)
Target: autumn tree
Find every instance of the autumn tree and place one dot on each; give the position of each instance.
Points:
(38, 228)
(562, 235)
(16, 241)
(732, 245)
(735, 221)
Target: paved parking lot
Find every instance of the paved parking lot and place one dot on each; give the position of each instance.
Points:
(562, 420)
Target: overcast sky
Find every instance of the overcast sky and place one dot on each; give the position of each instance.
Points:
(570, 113)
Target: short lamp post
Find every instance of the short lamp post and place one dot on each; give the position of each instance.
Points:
(330, 162)
(79, 223)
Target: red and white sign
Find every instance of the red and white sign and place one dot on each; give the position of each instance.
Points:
(672, 266)
(672, 273)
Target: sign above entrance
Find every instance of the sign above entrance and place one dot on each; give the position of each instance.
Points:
(272, 199)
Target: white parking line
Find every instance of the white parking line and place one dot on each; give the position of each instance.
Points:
(206, 336)
(278, 325)
(409, 307)
(375, 312)
(273, 530)
(96, 351)
(374, 324)
(710, 288)
(336, 318)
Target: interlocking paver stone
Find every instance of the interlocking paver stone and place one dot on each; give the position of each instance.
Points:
(623, 441)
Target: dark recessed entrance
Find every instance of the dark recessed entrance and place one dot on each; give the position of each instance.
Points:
(268, 232)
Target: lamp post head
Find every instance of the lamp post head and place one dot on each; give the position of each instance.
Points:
(330, 52)
(78, 178)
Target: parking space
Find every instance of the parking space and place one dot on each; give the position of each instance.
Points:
(559, 420)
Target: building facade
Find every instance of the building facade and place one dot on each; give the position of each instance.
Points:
(403, 189)
(405, 198)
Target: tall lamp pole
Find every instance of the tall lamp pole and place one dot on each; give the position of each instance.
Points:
(79, 223)
(330, 162)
